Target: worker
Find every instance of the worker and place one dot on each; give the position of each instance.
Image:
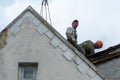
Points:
(71, 34)
(89, 46)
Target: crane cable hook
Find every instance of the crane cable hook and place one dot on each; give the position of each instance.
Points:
(45, 5)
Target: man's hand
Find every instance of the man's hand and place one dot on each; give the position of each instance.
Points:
(73, 39)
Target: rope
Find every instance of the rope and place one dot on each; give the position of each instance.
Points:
(45, 5)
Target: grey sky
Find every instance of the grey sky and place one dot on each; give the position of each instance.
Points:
(98, 19)
(5, 3)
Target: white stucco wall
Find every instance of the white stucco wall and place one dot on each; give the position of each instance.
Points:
(111, 69)
(31, 41)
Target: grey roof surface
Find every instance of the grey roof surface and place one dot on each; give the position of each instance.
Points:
(105, 55)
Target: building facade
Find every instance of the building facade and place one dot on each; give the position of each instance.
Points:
(31, 49)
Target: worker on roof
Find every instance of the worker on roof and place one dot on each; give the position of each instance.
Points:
(71, 34)
(89, 46)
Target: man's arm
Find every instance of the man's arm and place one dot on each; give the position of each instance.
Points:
(70, 36)
(92, 51)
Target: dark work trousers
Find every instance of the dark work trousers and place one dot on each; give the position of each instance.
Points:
(76, 46)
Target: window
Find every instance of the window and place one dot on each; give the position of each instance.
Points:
(27, 71)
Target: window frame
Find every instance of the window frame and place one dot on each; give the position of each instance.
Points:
(23, 66)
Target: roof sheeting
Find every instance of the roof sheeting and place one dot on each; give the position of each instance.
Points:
(105, 55)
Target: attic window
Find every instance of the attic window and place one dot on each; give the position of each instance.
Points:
(27, 71)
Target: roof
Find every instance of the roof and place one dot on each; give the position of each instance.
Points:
(105, 55)
(84, 59)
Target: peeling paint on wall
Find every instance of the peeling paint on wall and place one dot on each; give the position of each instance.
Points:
(3, 36)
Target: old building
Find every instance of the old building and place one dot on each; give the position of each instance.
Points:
(31, 49)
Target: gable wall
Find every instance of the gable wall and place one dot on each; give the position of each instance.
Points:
(31, 41)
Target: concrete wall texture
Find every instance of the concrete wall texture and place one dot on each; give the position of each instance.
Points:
(29, 40)
(111, 69)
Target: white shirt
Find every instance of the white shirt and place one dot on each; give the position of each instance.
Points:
(72, 31)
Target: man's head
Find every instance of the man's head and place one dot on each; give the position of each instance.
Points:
(75, 24)
(98, 44)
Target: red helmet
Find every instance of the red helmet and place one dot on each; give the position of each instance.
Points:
(99, 44)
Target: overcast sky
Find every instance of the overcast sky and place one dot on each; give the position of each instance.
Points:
(98, 19)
